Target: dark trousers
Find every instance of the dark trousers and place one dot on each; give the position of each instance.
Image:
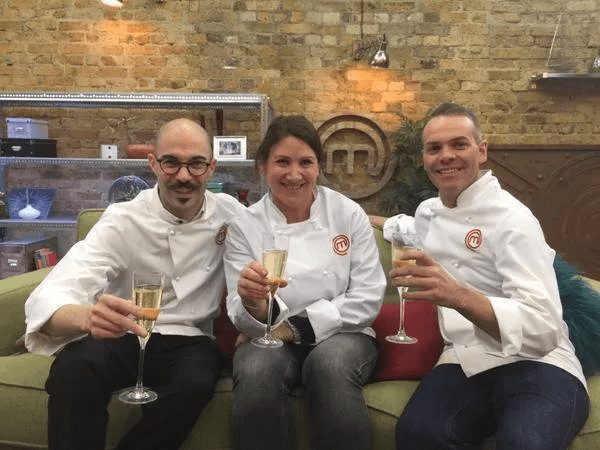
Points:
(183, 371)
(528, 405)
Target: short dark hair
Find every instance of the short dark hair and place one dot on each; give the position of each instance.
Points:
(283, 126)
(454, 109)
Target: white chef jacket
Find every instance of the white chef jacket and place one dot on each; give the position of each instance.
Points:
(333, 269)
(493, 244)
(141, 235)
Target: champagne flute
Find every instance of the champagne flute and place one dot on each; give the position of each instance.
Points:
(275, 251)
(402, 243)
(147, 294)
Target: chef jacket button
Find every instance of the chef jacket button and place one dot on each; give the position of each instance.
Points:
(172, 232)
(177, 278)
(325, 272)
(207, 268)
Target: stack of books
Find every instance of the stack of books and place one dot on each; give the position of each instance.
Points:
(44, 257)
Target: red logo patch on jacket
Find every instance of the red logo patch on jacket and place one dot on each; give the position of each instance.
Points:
(341, 244)
(221, 235)
(474, 239)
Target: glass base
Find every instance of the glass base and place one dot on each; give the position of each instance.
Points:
(138, 396)
(401, 338)
(267, 342)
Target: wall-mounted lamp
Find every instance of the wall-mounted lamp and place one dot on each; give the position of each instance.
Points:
(113, 3)
(375, 51)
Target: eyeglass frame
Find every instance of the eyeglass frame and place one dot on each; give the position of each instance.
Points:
(181, 164)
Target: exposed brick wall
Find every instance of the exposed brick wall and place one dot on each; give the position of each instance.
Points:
(482, 53)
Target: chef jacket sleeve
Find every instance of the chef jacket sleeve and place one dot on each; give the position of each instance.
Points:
(530, 313)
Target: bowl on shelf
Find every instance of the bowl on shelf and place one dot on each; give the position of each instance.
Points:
(126, 188)
(28, 200)
(139, 151)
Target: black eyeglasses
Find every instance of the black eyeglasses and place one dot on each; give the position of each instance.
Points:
(195, 167)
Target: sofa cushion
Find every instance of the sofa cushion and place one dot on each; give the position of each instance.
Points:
(407, 361)
(225, 333)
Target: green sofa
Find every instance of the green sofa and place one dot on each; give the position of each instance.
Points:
(23, 399)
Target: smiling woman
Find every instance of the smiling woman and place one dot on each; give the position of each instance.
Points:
(334, 291)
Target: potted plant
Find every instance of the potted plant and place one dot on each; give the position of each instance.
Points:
(409, 184)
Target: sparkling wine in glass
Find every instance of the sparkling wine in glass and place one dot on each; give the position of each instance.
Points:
(275, 252)
(402, 243)
(147, 294)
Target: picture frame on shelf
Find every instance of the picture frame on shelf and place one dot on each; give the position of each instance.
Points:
(229, 147)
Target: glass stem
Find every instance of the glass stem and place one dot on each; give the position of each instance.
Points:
(269, 315)
(138, 385)
(402, 306)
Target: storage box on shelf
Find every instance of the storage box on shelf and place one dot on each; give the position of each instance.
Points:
(26, 128)
(17, 256)
(41, 148)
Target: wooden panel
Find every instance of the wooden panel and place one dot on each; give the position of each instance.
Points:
(561, 185)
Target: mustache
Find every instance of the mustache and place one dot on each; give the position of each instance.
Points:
(184, 185)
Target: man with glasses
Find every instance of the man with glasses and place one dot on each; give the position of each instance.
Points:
(81, 311)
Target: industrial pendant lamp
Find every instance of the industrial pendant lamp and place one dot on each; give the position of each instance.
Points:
(374, 51)
(380, 58)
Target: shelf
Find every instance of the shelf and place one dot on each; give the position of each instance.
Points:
(100, 163)
(215, 101)
(571, 81)
(133, 100)
(58, 221)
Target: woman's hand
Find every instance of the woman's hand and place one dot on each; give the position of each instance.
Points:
(253, 288)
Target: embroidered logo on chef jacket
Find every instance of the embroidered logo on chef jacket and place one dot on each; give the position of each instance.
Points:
(474, 239)
(221, 235)
(341, 244)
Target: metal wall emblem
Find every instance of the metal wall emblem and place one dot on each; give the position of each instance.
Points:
(358, 159)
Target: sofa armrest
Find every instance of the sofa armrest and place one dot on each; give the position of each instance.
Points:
(13, 294)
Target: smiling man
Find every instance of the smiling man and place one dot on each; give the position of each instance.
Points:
(508, 367)
(82, 313)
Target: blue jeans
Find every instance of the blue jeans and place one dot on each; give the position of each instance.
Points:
(333, 373)
(528, 405)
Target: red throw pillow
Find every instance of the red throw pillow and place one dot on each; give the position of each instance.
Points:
(407, 361)
(225, 332)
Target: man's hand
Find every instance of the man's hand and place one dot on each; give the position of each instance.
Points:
(112, 317)
(438, 286)
(433, 282)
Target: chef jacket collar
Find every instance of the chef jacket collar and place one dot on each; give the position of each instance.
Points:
(280, 218)
(474, 189)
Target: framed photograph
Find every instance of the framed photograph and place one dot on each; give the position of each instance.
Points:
(229, 147)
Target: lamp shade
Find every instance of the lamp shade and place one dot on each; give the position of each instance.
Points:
(113, 3)
(380, 58)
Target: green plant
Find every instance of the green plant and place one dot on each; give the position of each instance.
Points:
(409, 184)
